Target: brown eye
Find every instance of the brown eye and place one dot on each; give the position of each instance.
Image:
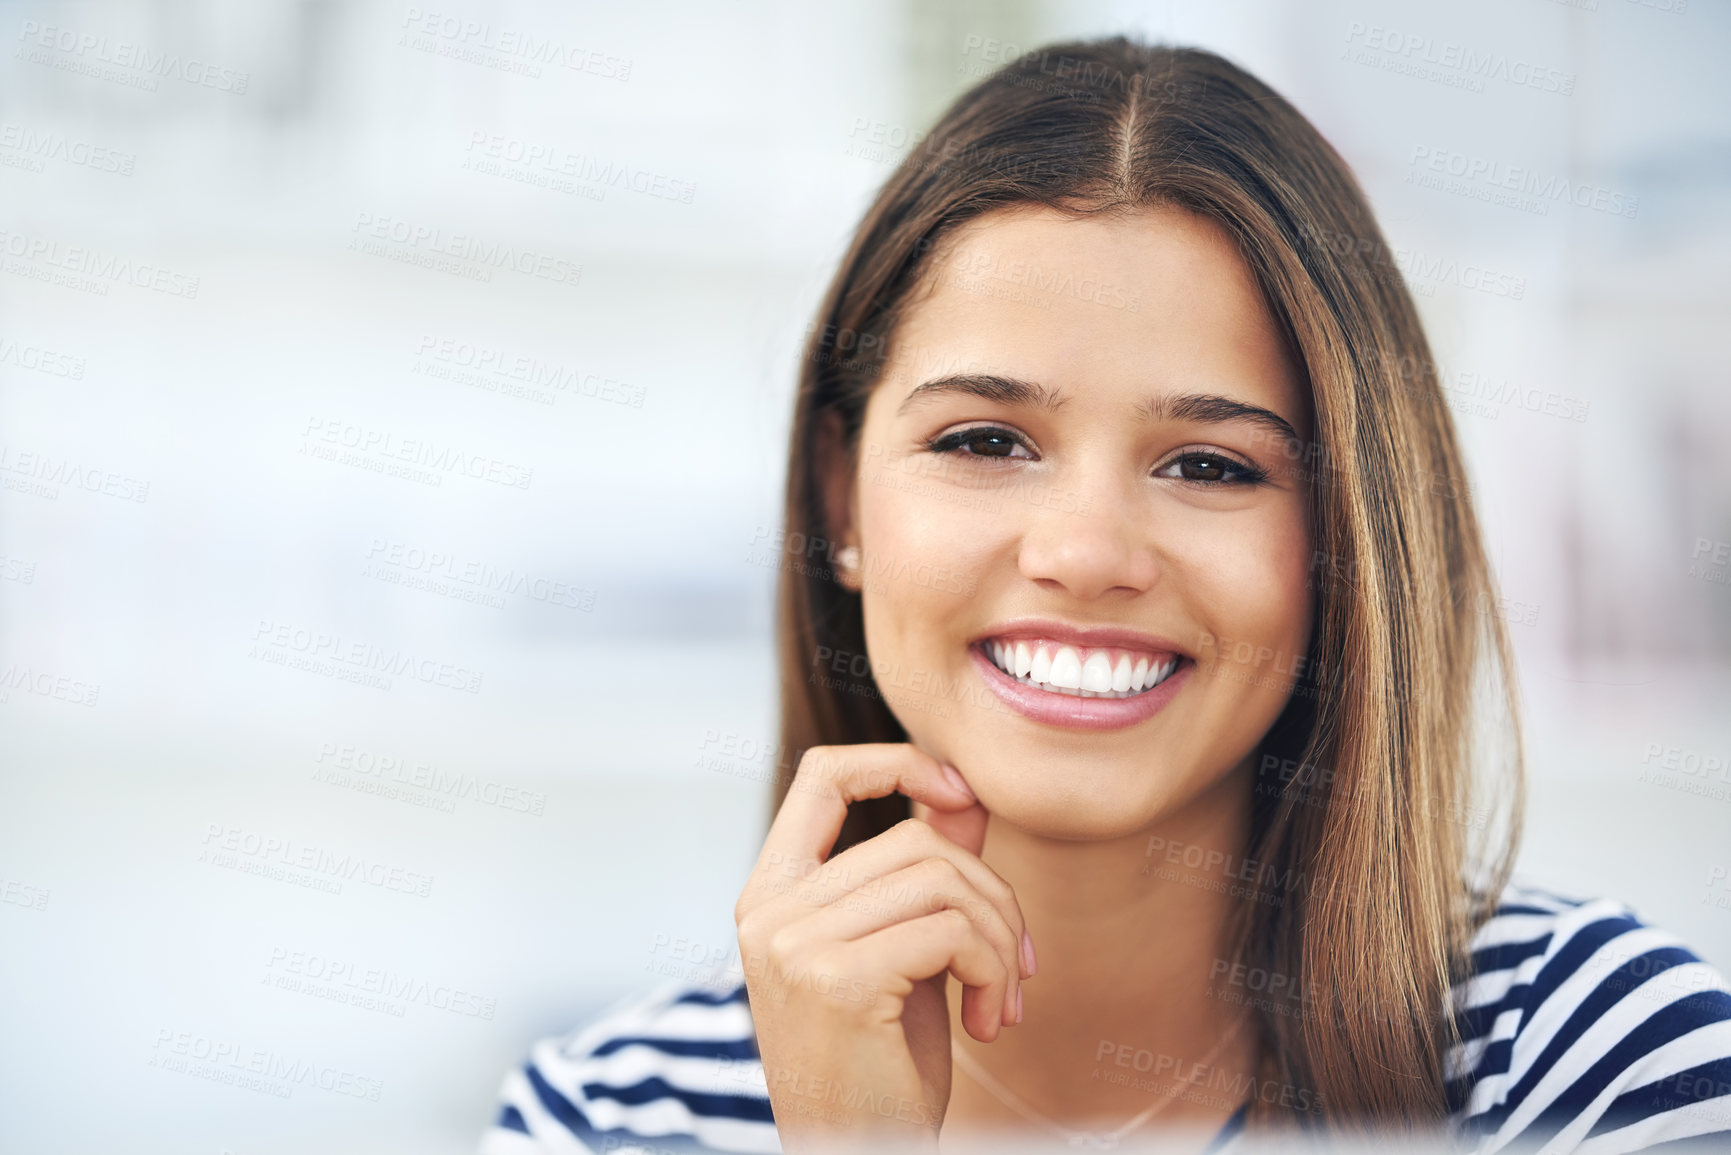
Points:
(990, 443)
(1202, 467)
(1212, 469)
(981, 442)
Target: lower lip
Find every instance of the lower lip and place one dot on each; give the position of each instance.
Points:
(1079, 713)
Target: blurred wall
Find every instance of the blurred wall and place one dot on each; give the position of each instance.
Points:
(377, 329)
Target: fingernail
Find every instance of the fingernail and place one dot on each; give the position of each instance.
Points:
(1018, 1004)
(1028, 959)
(956, 780)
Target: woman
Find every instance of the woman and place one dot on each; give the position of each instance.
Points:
(1137, 705)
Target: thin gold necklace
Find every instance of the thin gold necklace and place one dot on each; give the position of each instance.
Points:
(1089, 1140)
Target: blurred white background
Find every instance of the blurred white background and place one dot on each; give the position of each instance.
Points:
(218, 223)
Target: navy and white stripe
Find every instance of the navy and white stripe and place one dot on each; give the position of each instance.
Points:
(1583, 1030)
(1586, 1030)
(677, 1070)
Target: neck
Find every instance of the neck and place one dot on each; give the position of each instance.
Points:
(1127, 940)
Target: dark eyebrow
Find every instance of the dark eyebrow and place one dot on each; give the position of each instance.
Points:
(1004, 390)
(1204, 408)
(1210, 408)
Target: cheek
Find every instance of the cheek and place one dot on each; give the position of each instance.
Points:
(926, 552)
(1250, 580)
(913, 514)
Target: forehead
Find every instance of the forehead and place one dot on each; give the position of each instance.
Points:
(1154, 299)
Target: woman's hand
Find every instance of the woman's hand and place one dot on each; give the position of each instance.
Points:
(846, 959)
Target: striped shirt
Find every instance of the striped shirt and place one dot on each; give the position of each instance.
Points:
(1583, 1030)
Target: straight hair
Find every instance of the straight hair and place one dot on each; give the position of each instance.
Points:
(1380, 804)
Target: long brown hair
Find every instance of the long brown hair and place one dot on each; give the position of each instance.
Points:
(1408, 657)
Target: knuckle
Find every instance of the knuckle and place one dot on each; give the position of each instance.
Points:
(837, 765)
(814, 760)
(995, 882)
(948, 872)
(1000, 891)
(957, 921)
(912, 830)
(782, 944)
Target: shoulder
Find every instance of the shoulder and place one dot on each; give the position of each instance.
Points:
(1584, 1028)
(676, 1069)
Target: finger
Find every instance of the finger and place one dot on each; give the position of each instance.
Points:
(944, 941)
(830, 777)
(965, 828)
(912, 892)
(901, 846)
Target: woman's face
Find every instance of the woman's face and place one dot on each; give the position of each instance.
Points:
(1073, 477)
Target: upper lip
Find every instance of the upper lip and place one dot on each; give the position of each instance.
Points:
(1084, 637)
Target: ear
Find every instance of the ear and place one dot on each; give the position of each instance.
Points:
(834, 467)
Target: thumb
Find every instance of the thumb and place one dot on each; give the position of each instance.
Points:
(966, 828)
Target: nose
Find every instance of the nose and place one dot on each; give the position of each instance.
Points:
(1089, 546)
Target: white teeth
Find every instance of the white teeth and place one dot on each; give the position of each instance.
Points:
(1121, 674)
(1040, 670)
(1097, 672)
(1083, 672)
(1066, 669)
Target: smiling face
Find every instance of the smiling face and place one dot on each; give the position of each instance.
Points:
(1083, 530)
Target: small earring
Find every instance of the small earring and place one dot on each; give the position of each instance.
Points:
(848, 557)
